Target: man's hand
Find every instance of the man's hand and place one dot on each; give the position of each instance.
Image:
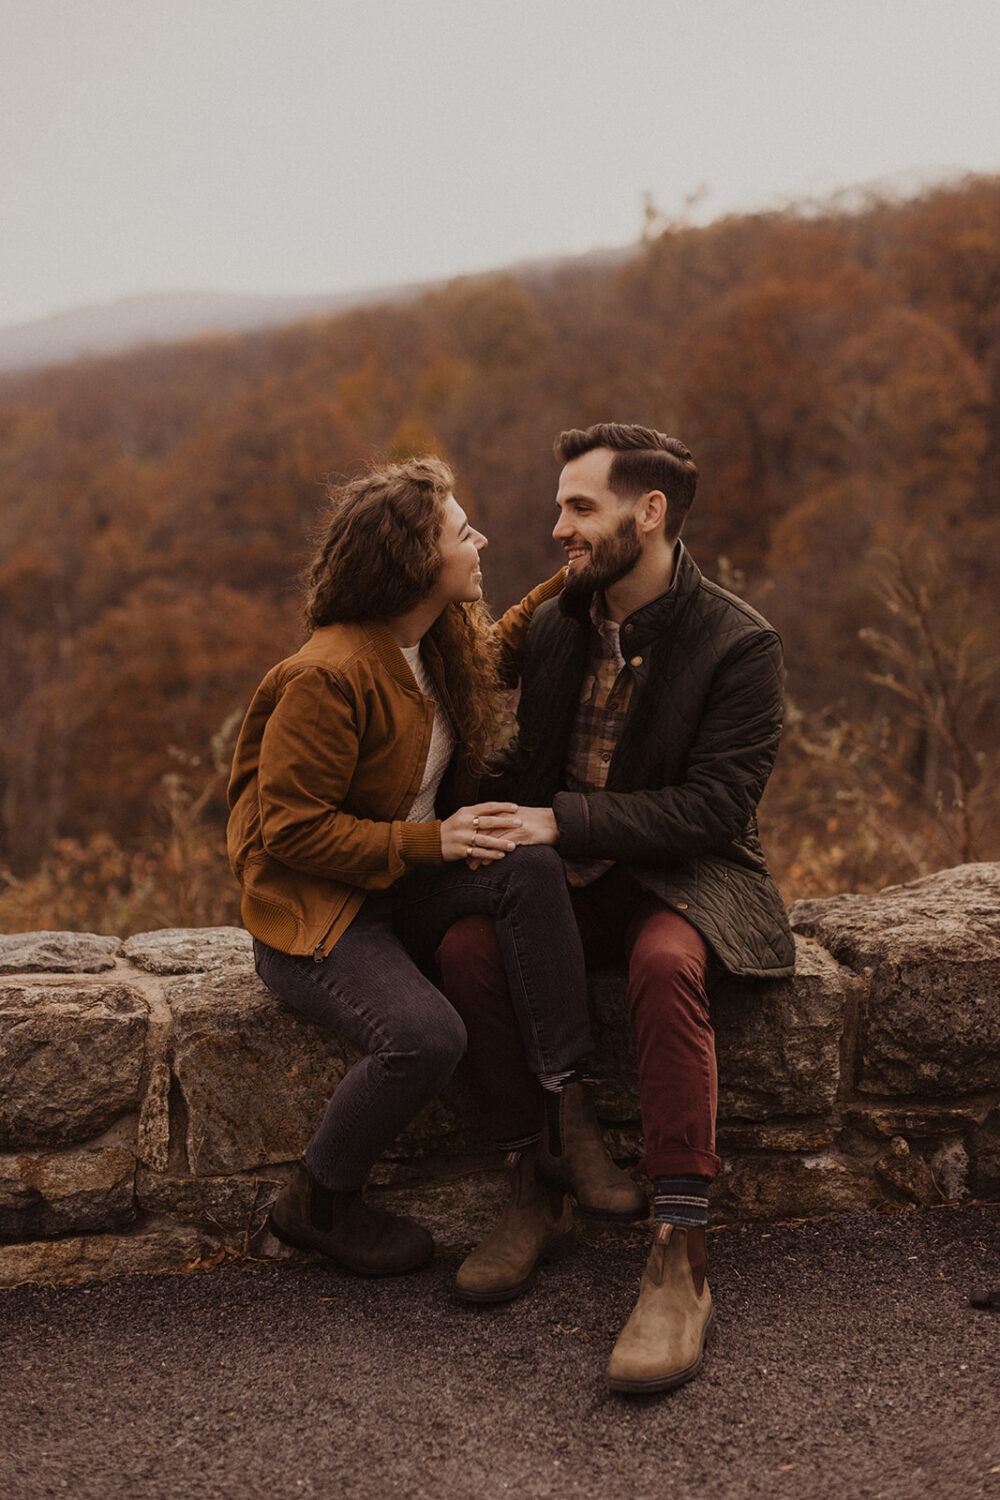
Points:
(538, 826)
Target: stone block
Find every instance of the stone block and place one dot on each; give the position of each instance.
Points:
(458, 1212)
(100, 1256)
(75, 1192)
(182, 950)
(152, 1145)
(762, 1135)
(755, 1187)
(232, 1207)
(71, 1056)
(778, 1041)
(930, 950)
(57, 952)
(930, 1122)
(254, 1078)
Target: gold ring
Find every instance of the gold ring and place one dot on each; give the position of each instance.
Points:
(474, 838)
(475, 822)
(468, 852)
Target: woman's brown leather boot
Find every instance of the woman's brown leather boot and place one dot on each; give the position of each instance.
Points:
(347, 1229)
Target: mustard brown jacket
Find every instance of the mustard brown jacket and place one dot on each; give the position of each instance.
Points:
(328, 763)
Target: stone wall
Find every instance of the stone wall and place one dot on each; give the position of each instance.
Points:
(154, 1093)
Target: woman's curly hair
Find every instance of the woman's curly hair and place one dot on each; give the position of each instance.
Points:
(377, 555)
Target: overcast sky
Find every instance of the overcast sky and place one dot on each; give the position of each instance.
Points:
(324, 145)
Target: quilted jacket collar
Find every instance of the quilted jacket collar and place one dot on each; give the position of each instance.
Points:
(656, 616)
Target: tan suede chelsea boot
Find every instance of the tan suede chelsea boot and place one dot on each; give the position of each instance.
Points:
(663, 1343)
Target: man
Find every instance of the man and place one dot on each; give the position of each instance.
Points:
(648, 723)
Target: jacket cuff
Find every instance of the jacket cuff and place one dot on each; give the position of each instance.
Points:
(549, 589)
(420, 843)
(573, 821)
(513, 624)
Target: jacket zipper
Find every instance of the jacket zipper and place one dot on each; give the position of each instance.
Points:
(319, 952)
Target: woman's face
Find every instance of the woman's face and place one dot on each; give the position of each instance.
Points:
(459, 580)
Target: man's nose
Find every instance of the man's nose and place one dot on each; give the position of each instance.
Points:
(562, 528)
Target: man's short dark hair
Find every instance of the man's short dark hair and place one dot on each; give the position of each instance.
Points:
(644, 460)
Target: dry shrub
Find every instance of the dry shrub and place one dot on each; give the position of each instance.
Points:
(179, 879)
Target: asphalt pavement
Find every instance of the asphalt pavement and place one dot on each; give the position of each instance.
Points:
(846, 1364)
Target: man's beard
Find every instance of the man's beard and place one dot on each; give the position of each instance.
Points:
(610, 559)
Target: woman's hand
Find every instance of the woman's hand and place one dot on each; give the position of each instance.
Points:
(480, 833)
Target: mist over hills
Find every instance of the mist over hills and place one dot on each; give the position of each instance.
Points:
(130, 323)
(166, 317)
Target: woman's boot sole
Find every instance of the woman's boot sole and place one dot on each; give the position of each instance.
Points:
(286, 1238)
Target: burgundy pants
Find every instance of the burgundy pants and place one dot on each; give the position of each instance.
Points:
(669, 966)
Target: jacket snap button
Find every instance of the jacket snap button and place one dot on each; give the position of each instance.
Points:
(636, 661)
(629, 629)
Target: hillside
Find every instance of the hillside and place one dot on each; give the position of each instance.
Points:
(131, 323)
(836, 374)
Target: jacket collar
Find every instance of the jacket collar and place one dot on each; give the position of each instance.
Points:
(362, 635)
(395, 663)
(388, 652)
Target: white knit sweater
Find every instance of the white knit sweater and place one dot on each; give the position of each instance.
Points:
(442, 741)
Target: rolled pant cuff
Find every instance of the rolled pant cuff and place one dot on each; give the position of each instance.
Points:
(681, 1163)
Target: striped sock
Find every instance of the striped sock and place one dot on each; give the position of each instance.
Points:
(555, 1082)
(681, 1200)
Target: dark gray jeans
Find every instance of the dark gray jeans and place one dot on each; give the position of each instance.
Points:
(372, 990)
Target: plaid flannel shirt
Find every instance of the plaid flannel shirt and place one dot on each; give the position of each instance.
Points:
(604, 701)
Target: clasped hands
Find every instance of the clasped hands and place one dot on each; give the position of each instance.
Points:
(488, 830)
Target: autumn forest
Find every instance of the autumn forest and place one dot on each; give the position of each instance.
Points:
(836, 372)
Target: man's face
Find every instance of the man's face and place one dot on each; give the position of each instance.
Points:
(596, 529)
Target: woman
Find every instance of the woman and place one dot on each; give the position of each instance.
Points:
(350, 876)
